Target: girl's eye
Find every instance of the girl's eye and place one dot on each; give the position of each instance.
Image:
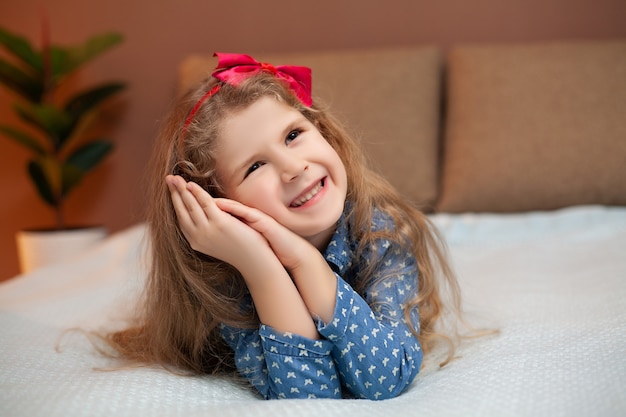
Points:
(292, 135)
(253, 168)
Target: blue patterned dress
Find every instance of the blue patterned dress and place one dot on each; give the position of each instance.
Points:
(366, 351)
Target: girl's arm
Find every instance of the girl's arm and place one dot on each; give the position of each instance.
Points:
(374, 349)
(315, 281)
(216, 233)
(284, 365)
(282, 358)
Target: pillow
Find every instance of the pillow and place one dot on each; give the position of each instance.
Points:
(535, 127)
(388, 98)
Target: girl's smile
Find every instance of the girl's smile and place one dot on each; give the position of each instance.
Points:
(311, 195)
(272, 158)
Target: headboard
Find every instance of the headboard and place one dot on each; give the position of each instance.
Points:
(481, 128)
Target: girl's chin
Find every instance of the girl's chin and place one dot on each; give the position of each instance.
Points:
(320, 234)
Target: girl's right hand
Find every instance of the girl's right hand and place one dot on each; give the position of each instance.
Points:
(212, 231)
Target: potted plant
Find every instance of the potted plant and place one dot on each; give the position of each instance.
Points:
(55, 129)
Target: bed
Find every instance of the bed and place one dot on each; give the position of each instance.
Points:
(554, 285)
(547, 270)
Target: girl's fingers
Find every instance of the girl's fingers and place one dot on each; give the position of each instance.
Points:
(235, 208)
(203, 200)
(193, 205)
(256, 219)
(284, 242)
(207, 228)
(182, 212)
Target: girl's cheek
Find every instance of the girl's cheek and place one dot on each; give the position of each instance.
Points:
(250, 194)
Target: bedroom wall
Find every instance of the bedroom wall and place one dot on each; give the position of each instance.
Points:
(160, 33)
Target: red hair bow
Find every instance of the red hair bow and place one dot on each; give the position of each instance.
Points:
(234, 68)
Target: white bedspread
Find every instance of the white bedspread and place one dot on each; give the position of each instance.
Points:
(553, 283)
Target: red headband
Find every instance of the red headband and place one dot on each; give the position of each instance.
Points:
(234, 68)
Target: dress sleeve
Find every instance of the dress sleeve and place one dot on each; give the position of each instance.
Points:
(284, 365)
(376, 354)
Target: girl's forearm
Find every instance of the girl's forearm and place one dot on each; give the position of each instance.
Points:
(317, 285)
(277, 300)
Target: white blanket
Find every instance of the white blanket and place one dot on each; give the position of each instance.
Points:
(554, 283)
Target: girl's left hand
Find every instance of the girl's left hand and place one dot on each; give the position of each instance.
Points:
(289, 248)
(314, 279)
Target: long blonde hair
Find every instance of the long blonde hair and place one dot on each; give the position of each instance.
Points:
(188, 294)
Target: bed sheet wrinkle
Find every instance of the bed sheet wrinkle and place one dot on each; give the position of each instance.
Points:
(554, 283)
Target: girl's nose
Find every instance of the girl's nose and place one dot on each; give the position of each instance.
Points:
(292, 167)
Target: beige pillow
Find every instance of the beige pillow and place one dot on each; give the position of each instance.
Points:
(534, 127)
(388, 98)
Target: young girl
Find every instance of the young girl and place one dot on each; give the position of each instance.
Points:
(277, 253)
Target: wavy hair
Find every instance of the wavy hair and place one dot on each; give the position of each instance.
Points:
(188, 295)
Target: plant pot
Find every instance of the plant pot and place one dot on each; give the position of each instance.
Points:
(37, 248)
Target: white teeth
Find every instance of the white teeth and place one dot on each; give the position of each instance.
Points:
(308, 195)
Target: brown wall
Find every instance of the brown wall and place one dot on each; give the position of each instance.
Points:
(160, 33)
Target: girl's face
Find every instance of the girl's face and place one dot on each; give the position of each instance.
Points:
(270, 157)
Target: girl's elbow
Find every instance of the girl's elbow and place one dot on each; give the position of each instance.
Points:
(392, 387)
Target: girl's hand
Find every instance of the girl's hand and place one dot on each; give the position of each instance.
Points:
(315, 281)
(289, 248)
(216, 233)
(210, 230)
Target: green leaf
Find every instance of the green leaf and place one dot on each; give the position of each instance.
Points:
(54, 122)
(71, 176)
(39, 175)
(66, 60)
(59, 63)
(21, 82)
(23, 139)
(82, 161)
(85, 101)
(21, 48)
(89, 155)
